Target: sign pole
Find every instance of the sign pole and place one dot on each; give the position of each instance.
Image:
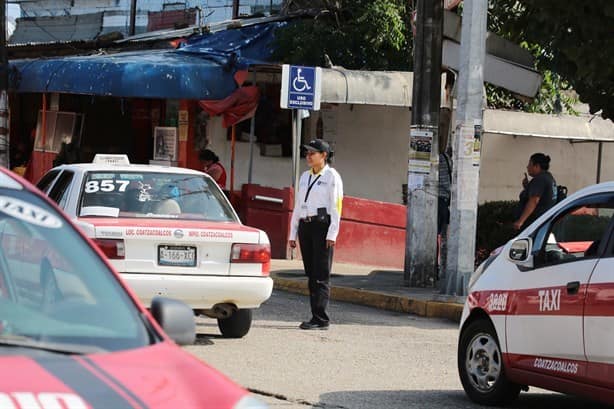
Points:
(294, 148)
(467, 146)
(423, 164)
(299, 128)
(301, 90)
(252, 140)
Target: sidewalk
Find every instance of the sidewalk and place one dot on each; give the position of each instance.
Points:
(371, 286)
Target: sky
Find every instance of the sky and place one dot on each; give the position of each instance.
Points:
(12, 10)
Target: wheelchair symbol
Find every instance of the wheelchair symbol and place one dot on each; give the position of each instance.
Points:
(299, 83)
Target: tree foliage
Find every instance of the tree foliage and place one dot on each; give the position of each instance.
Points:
(555, 96)
(572, 40)
(355, 34)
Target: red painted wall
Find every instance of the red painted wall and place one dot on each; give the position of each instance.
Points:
(372, 232)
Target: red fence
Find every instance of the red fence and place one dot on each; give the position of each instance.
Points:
(372, 232)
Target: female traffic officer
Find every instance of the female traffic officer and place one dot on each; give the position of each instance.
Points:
(315, 220)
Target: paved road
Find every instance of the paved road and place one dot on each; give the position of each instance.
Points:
(368, 359)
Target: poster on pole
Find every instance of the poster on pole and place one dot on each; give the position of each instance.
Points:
(419, 164)
(467, 189)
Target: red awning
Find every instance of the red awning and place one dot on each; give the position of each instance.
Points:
(237, 107)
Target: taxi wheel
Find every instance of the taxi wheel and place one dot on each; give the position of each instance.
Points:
(237, 325)
(481, 367)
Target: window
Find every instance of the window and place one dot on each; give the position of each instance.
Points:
(54, 287)
(576, 233)
(154, 195)
(46, 180)
(61, 127)
(59, 192)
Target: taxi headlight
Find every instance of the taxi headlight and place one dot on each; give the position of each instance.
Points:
(482, 267)
(249, 402)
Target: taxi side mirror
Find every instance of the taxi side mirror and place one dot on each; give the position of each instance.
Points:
(520, 253)
(176, 319)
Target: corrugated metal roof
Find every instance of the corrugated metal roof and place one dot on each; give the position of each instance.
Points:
(212, 28)
(32, 30)
(204, 68)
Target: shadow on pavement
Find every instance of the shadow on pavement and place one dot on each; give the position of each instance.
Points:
(451, 399)
(293, 309)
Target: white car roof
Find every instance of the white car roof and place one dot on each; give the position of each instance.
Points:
(604, 187)
(92, 167)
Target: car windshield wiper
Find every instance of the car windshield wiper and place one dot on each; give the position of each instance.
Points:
(54, 347)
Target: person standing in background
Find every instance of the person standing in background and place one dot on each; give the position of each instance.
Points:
(443, 205)
(213, 167)
(315, 221)
(538, 195)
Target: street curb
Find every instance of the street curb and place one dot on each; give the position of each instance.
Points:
(383, 301)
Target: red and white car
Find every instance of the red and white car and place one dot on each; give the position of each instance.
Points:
(169, 232)
(540, 310)
(72, 334)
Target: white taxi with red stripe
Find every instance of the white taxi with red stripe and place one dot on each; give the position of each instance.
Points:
(169, 232)
(540, 310)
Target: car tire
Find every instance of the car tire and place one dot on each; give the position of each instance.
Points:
(481, 367)
(237, 325)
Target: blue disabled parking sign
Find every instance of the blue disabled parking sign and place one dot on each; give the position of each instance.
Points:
(301, 87)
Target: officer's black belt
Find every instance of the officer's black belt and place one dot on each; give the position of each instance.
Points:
(309, 219)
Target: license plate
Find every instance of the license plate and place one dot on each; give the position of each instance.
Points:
(177, 256)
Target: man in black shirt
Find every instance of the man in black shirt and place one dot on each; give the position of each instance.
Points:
(539, 194)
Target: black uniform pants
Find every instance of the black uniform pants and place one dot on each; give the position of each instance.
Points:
(317, 260)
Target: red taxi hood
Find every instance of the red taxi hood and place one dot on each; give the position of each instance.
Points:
(165, 223)
(160, 376)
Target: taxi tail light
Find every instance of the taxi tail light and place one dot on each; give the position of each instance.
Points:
(252, 253)
(114, 249)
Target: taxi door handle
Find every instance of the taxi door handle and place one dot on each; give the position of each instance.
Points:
(573, 287)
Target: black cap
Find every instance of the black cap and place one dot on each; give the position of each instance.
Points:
(318, 145)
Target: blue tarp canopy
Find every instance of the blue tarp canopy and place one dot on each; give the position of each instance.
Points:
(203, 69)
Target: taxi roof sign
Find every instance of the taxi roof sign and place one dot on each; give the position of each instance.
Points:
(109, 159)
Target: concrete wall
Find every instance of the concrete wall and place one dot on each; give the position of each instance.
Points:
(505, 158)
(371, 155)
(371, 150)
(372, 163)
(267, 171)
(607, 163)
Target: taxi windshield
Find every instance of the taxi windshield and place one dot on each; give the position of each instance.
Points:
(54, 289)
(153, 195)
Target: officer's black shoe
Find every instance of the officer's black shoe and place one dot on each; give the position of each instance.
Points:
(313, 325)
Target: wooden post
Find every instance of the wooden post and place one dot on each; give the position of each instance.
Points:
(233, 142)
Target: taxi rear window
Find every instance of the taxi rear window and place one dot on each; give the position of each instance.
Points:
(153, 195)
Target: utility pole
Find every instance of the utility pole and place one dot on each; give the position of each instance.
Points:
(423, 164)
(4, 85)
(132, 29)
(467, 147)
(235, 9)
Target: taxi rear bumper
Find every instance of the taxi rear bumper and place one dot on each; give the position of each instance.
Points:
(201, 291)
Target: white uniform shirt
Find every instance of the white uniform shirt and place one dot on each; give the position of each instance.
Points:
(327, 192)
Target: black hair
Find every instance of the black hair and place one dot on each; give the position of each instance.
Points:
(208, 154)
(541, 159)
